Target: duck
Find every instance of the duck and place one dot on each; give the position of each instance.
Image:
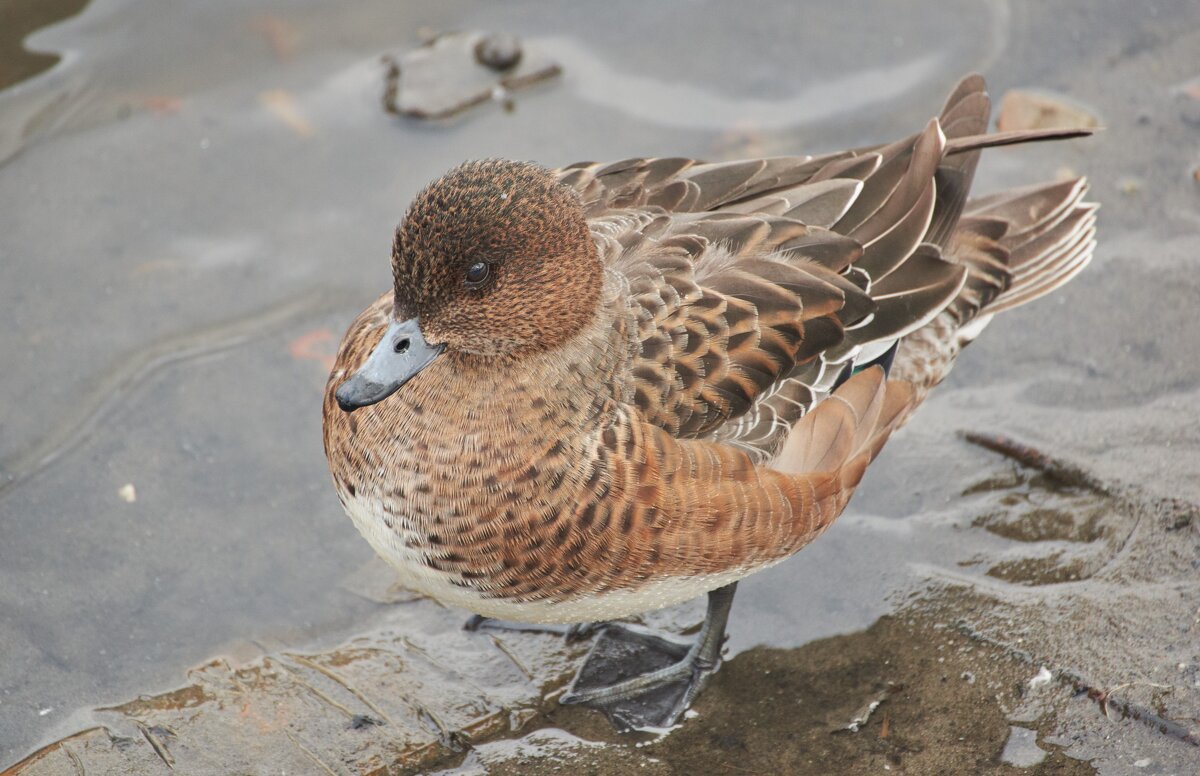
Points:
(607, 388)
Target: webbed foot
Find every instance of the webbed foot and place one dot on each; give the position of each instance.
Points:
(643, 681)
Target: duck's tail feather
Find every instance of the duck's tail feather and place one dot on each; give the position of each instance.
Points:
(965, 115)
(1019, 245)
(1016, 245)
(1050, 237)
(964, 145)
(964, 120)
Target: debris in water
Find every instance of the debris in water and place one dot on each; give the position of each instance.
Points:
(127, 493)
(498, 51)
(315, 345)
(280, 35)
(1130, 186)
(160, 104)
(1022, 109)
(1103, 698)
(455, 71)
(283, 107)
(1027, 455)
(1042, 677)
(863, 714)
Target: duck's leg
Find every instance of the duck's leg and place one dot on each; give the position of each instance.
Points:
(643, 681)
(577, 631)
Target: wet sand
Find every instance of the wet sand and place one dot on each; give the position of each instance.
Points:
(928, 696)
(944, 701)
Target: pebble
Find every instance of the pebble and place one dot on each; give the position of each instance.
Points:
(498, 50)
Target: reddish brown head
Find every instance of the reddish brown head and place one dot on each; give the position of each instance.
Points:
(495, 258)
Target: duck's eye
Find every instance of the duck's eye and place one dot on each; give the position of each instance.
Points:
(477, 273)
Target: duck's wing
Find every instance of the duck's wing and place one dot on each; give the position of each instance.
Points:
(777, 185)
(680, 185)
(760, 283)
(748, 308)
(726, 306)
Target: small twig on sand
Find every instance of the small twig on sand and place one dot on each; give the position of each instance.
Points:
(1176, 513)
(156, 744)
(1103, 698)
(1066, 473)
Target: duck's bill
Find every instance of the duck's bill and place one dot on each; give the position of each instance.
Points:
(399, 356)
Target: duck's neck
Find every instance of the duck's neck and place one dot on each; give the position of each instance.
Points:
(490, 422)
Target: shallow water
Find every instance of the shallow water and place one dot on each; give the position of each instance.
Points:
(197, 199)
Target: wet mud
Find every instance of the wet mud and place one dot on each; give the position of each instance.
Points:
(943, 705)
(909, 693)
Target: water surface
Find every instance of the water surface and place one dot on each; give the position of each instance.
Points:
(197, 198)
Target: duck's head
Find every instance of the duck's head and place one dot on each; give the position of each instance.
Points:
(493, 260)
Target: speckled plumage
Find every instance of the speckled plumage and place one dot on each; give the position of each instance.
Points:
(640, 404)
